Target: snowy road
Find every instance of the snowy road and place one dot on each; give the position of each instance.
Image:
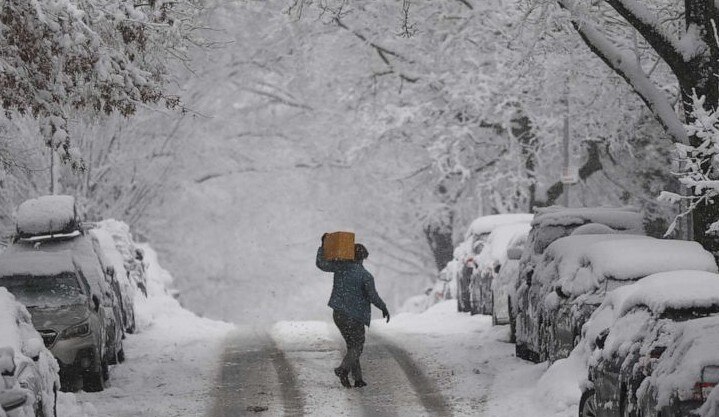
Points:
(293, 377)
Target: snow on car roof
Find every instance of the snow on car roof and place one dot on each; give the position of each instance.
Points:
(36, 263)
(498, 242)
(45, 215)
(620, 218)
(669, 290)
(637, 258)
(486, 224)
(569, 253)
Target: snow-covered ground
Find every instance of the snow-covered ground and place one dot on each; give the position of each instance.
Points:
(171, 362)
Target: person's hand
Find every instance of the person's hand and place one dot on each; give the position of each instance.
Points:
(385, 314)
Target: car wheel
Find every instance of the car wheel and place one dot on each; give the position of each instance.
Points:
(105, 371)
(588, 404)
(94, 381)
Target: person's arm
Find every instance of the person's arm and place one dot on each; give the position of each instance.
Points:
(373, 297)
(323, 264)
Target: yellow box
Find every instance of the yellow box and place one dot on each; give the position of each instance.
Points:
(339, 246)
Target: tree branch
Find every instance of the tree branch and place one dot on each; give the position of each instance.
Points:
(626, 66)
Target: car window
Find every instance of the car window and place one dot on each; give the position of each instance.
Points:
(55, 290)
(685, 314)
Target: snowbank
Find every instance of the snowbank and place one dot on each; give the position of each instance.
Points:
(47, 215)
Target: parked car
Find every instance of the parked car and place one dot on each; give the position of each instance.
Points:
(489, 262)
(465, 253)
(506, 280)
(119, 278)
(652, 348)
(66, 310)
(133, 257)
(550, 224)
(609, 265)
(28, 372)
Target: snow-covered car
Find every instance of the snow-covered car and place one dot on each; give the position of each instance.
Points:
(652, 348)
(465, 253)
(114, 265)
(607, 265)
(28, 372)
(488, 264)
(75, 256)
(132, 255)
(506, 280)
(550, 224)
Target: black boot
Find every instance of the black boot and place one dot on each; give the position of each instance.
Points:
(360, 383)
(344, 379)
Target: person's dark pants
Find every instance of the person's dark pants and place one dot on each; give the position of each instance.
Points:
(352, 331)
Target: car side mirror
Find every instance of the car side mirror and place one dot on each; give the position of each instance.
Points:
(514, 254)
(96, 302)
(7, 361)
(602, 338)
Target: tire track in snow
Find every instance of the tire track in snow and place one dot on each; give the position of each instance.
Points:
(256, 377)
(425, 388)
(396, 384)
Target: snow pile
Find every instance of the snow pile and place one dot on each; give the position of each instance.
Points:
(19, 338)
(486, 224)
(47, 215)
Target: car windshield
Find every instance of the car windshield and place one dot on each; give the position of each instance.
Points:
(683, 314)
(39, 291)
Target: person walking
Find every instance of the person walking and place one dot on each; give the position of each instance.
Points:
(353, 291)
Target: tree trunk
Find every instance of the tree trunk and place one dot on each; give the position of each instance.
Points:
(439, 237)
(703, 82)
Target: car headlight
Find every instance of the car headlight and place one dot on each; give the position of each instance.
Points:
(77, 330)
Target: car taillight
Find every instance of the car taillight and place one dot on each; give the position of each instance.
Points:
(710, 379)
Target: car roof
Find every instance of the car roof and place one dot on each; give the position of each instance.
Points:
(486, 224)
(673, 290)
(619, 218)
(36, 264)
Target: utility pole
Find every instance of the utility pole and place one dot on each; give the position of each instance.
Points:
(566, 171)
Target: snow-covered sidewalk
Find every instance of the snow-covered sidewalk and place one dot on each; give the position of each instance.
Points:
(171, 365)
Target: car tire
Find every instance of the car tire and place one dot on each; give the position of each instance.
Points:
(94, 381)
(105, 371)
(588, 404)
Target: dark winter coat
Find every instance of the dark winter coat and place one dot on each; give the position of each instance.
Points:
(353, 288)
